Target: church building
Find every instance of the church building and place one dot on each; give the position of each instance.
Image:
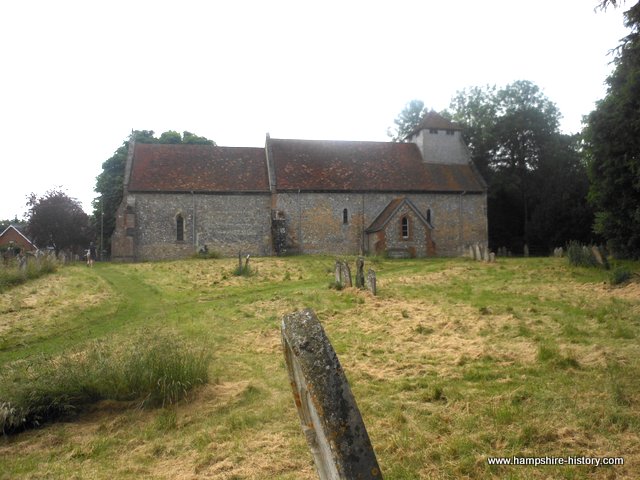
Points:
(420, 198)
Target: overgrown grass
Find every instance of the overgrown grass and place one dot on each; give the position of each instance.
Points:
(13, 275)
(150, 369)
(452, 362)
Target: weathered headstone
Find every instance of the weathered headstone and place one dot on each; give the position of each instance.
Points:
(476, 252)
(471, 251)
(338, 272)
(597, 255)
(371, 281)
(492, 257)
(526, 250)
(22, 262)
(330, 418)
(345, 275)
(360, 272)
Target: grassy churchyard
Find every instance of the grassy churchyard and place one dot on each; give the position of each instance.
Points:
(453, 362)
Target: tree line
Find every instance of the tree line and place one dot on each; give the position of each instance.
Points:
(546, 188)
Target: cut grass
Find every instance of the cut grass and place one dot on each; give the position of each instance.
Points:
(453, 362)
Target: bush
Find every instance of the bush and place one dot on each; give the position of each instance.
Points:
(150, 370)
(619, 275)
(580, 255)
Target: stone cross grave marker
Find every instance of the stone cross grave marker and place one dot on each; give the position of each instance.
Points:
(330, 418)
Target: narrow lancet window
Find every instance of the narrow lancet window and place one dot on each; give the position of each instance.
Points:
(345, 216)
(404, 223)
(179, 228)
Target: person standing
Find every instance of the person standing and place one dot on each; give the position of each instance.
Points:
(91, 257)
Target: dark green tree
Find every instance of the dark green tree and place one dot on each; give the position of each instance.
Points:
(613, 144)
(512, 134)
(58, 221)
(110, 182)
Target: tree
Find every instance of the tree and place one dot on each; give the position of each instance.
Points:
(110, 182)
(58, 221)
(613, 143)
(512, 134)
(407, 121)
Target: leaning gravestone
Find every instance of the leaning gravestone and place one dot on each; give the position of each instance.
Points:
(330, 418)
(371, 281)
(476, 252)
(597, 255)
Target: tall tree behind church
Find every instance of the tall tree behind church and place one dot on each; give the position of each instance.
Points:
(613, 143)
(537, 180)
(110, 182)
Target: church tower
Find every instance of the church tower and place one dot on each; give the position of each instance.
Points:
(439, 140)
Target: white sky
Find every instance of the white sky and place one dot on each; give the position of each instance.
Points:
(77, 76)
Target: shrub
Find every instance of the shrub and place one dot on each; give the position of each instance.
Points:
(619, 275)
(580, 255)
(151, 370)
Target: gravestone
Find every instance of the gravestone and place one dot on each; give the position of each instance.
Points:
(338, 273)
(345, 275)
(329, 416)
(597, 255)
(371, 281)
(360, 272)
(476, 252)
(492, 257)
(526, 250)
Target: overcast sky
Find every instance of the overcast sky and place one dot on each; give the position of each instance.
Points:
(76, 76)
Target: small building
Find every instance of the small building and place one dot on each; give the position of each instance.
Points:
(12, 237)
(423, 197)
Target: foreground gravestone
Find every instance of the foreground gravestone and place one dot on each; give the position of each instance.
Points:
(330, 418)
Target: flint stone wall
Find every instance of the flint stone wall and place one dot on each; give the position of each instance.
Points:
(314, 221)
(225, 223)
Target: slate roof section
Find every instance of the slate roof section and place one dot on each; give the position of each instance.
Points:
(348, 166)
(198, 168)
(390, 210)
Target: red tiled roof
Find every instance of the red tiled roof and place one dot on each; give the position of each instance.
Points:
(319, 165)
(435, 120)
(199, 168)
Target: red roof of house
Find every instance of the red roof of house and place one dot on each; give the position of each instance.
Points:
(321, 165)
(198, 168)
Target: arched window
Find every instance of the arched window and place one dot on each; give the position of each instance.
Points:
(404, 225)
(429, 216)
(179, 228)
(345, 216)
